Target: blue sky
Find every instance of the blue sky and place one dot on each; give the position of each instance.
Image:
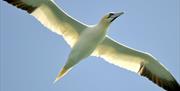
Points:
(31, 55)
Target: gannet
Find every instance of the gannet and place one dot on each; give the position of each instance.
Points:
(86, 40)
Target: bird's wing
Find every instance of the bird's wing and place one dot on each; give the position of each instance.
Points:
(52, 17)
(141, 63)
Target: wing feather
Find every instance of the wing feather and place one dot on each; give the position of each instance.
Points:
(52, 17)
(141, 63)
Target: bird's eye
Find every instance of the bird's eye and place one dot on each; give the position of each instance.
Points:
(110, 14)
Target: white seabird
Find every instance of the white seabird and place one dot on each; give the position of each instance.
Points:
(88, 40)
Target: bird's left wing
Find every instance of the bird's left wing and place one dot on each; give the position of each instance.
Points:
(52, 17)
(142, 63)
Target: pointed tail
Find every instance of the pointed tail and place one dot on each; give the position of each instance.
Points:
(63, 72)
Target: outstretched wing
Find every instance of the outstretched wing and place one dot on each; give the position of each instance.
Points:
(52, 17)
(141, 63)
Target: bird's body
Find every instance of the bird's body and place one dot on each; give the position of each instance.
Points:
(86, 44)
(86, 40)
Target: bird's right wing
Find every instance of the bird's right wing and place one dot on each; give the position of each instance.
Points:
(141, 63)
(52, 17)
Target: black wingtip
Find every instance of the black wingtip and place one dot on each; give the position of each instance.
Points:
(169, 85)
(20, 4)
(174, 86)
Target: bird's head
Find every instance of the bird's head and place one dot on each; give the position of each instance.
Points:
(109, 18)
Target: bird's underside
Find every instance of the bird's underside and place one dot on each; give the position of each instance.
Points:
(56, 20)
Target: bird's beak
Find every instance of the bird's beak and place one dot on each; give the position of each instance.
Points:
(116, 15)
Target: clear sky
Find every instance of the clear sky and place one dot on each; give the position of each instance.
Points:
(31, 55)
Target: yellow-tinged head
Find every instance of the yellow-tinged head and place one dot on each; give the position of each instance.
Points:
(110, 17)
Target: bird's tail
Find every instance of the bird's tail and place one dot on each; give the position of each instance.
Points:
(63, 72)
